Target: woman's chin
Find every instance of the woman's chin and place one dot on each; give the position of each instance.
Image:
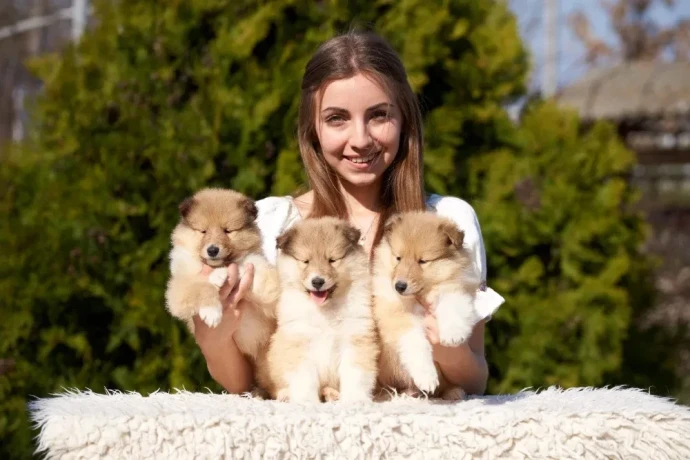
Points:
(363, 179)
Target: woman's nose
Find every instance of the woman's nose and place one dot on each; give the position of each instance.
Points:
(361, 138)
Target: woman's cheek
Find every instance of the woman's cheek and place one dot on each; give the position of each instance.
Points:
(332, 141)
(388, 134)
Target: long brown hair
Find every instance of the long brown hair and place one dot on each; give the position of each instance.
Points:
(344, 57)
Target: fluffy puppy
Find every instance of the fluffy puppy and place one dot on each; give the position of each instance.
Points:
(325, 345)
(217, 228)
(421, 256)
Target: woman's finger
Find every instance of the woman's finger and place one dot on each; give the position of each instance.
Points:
(198, 324)
(427, 306)
(431, 329)
(226, 289)
(244, 285)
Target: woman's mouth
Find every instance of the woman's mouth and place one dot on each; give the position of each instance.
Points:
(360, 162)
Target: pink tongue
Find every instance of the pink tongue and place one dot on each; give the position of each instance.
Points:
(318, 297)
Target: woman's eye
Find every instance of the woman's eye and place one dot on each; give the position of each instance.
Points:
(335, 119)
(380, 115)
(422, 261)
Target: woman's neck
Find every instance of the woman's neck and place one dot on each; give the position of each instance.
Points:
(361, 201)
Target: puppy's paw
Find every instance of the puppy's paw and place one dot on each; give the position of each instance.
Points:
(211, 315)
(427, 382)
(456, 318)
(330, 394)
(454, 333)
(218, 277)
(454, 394)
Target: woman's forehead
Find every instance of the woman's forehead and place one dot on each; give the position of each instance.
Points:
(358, 92)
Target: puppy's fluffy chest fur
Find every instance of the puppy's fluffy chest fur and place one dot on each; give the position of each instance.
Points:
(326, 330)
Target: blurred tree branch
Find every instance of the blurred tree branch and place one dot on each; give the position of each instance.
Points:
(639, 37)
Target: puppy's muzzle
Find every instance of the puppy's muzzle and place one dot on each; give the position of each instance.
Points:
(212, 251)
(318, 282)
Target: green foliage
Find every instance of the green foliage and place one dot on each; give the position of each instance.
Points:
(564, 247)
(163, 98)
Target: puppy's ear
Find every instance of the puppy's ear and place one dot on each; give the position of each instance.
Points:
(249, 207)
(454, 235)
(390, 224)
(352, 234)
(186, 206)
(284, 240)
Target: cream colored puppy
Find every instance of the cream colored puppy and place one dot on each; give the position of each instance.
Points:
(217, 228)
(325, 345)
(421, 256)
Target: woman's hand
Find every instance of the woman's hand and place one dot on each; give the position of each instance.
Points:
(226, 364)
(464, 365)
(430, 323)
(231, 296)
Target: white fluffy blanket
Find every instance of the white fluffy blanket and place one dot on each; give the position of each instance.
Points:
(554, 423)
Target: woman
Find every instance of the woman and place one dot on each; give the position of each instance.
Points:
(360, 137)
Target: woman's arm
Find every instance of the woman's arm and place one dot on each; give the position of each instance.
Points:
(465, 365)
(226, 364)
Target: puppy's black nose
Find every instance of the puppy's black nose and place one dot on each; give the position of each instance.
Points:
(400, 286)
(318, 282)
(212, 250)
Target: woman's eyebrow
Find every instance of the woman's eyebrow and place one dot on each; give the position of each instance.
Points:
(381, 105)
(333, 109)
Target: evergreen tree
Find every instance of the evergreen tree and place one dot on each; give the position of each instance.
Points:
(564, 247)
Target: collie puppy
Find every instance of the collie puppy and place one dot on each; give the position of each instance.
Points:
(217, 227)
(421, 256)
(325, 346)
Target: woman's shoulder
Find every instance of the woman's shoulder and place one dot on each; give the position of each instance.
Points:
(454, 208)
(464, 216)
(275, 214)
(273, 207)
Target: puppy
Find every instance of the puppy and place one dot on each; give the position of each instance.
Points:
(217, 228)
(421, 256)
(325, 345)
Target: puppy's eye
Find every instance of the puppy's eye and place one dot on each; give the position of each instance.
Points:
(330, 261)
(202, 231)
(397, 258)
(422, 261)
(305, 262)
(228, 231)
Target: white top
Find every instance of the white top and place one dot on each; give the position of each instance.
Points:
(278, 213)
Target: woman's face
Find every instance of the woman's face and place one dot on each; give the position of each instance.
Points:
(358, 128)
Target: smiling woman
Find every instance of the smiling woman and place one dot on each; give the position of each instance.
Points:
(361, 141)
(359, 137)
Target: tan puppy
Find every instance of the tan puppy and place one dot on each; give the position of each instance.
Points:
(217, 228)
(421, 256)
(325, 344)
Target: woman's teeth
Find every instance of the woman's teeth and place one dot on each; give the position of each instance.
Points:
(362, 160)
